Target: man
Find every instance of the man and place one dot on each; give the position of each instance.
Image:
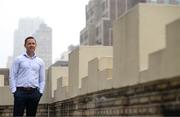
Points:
(27, 80)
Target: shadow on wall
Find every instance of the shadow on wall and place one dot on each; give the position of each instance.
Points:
(170, 110)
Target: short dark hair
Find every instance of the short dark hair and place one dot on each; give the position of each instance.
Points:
(29, 37)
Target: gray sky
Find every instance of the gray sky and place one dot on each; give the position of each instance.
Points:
(65, 17)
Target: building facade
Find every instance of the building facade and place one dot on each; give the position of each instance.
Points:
(44, 40)
(101, 13)
(5, 73)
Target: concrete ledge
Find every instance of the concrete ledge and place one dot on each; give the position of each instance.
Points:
(6, 97)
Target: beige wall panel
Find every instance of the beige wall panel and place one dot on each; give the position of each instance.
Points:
(1, 80)
(155, 65)
(143, 76)
(139, 32)
(57, 72)
(126, 48)
(93, 75)
(61, 93)
(84, 88)
(105, 63)
(88, 53)
(105, 79)
(165, 63)
(59, 82)
(153, 21)
(99, 74)
(78, 64)
(74, 72)
(6, 97)
(58, 96)
(171, 61)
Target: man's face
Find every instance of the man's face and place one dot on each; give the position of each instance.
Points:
(30, 45)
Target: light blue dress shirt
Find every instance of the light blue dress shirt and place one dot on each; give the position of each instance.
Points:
(27, 72)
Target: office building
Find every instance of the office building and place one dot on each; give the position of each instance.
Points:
(100, 15)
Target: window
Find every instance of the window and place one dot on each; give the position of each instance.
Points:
(153, 1)
(86, 35)
(97, 31)
(98, 42)
(103, 6)
(177, 1)
(166, 1)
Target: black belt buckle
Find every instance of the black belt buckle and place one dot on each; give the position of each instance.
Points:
(27, 89)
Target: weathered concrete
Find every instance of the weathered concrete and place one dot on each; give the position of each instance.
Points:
(1, 80)
(78, 64)
(138, 33)
(152, 99)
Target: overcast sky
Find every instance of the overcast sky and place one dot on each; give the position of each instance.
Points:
(65, 17)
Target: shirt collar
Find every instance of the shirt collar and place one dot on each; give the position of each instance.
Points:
(26, 55)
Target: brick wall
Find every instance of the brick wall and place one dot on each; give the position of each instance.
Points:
(7, 111)
(157, 98)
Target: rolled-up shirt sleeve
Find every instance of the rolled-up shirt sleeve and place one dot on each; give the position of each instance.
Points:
(42, 78)
(13, 75)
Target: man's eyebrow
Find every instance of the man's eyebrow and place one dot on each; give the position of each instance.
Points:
(31, 42)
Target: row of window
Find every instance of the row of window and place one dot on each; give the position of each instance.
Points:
(166, 1)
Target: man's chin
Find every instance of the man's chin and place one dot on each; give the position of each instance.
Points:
(32, 50)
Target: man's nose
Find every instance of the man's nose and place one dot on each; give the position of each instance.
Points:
(32, 44)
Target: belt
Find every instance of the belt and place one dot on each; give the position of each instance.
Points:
(26, 88)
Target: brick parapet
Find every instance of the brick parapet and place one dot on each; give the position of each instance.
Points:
(156, 98)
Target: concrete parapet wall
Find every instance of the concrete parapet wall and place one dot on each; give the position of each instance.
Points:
(93, 75)
(153, 20)
(165, 63)
(126, 49)
(99, 74)
(171, 63)
(6, 97)
(1, 80)
(138, 33)
(155, 65)
(105, 63)
(156, 98)
(78, 64)
(105, 79)
(85, 85)
(61, 94)
(152, 99)
(54, 74)
(5, 73)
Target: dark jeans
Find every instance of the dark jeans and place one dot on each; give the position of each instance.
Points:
(26, 99)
